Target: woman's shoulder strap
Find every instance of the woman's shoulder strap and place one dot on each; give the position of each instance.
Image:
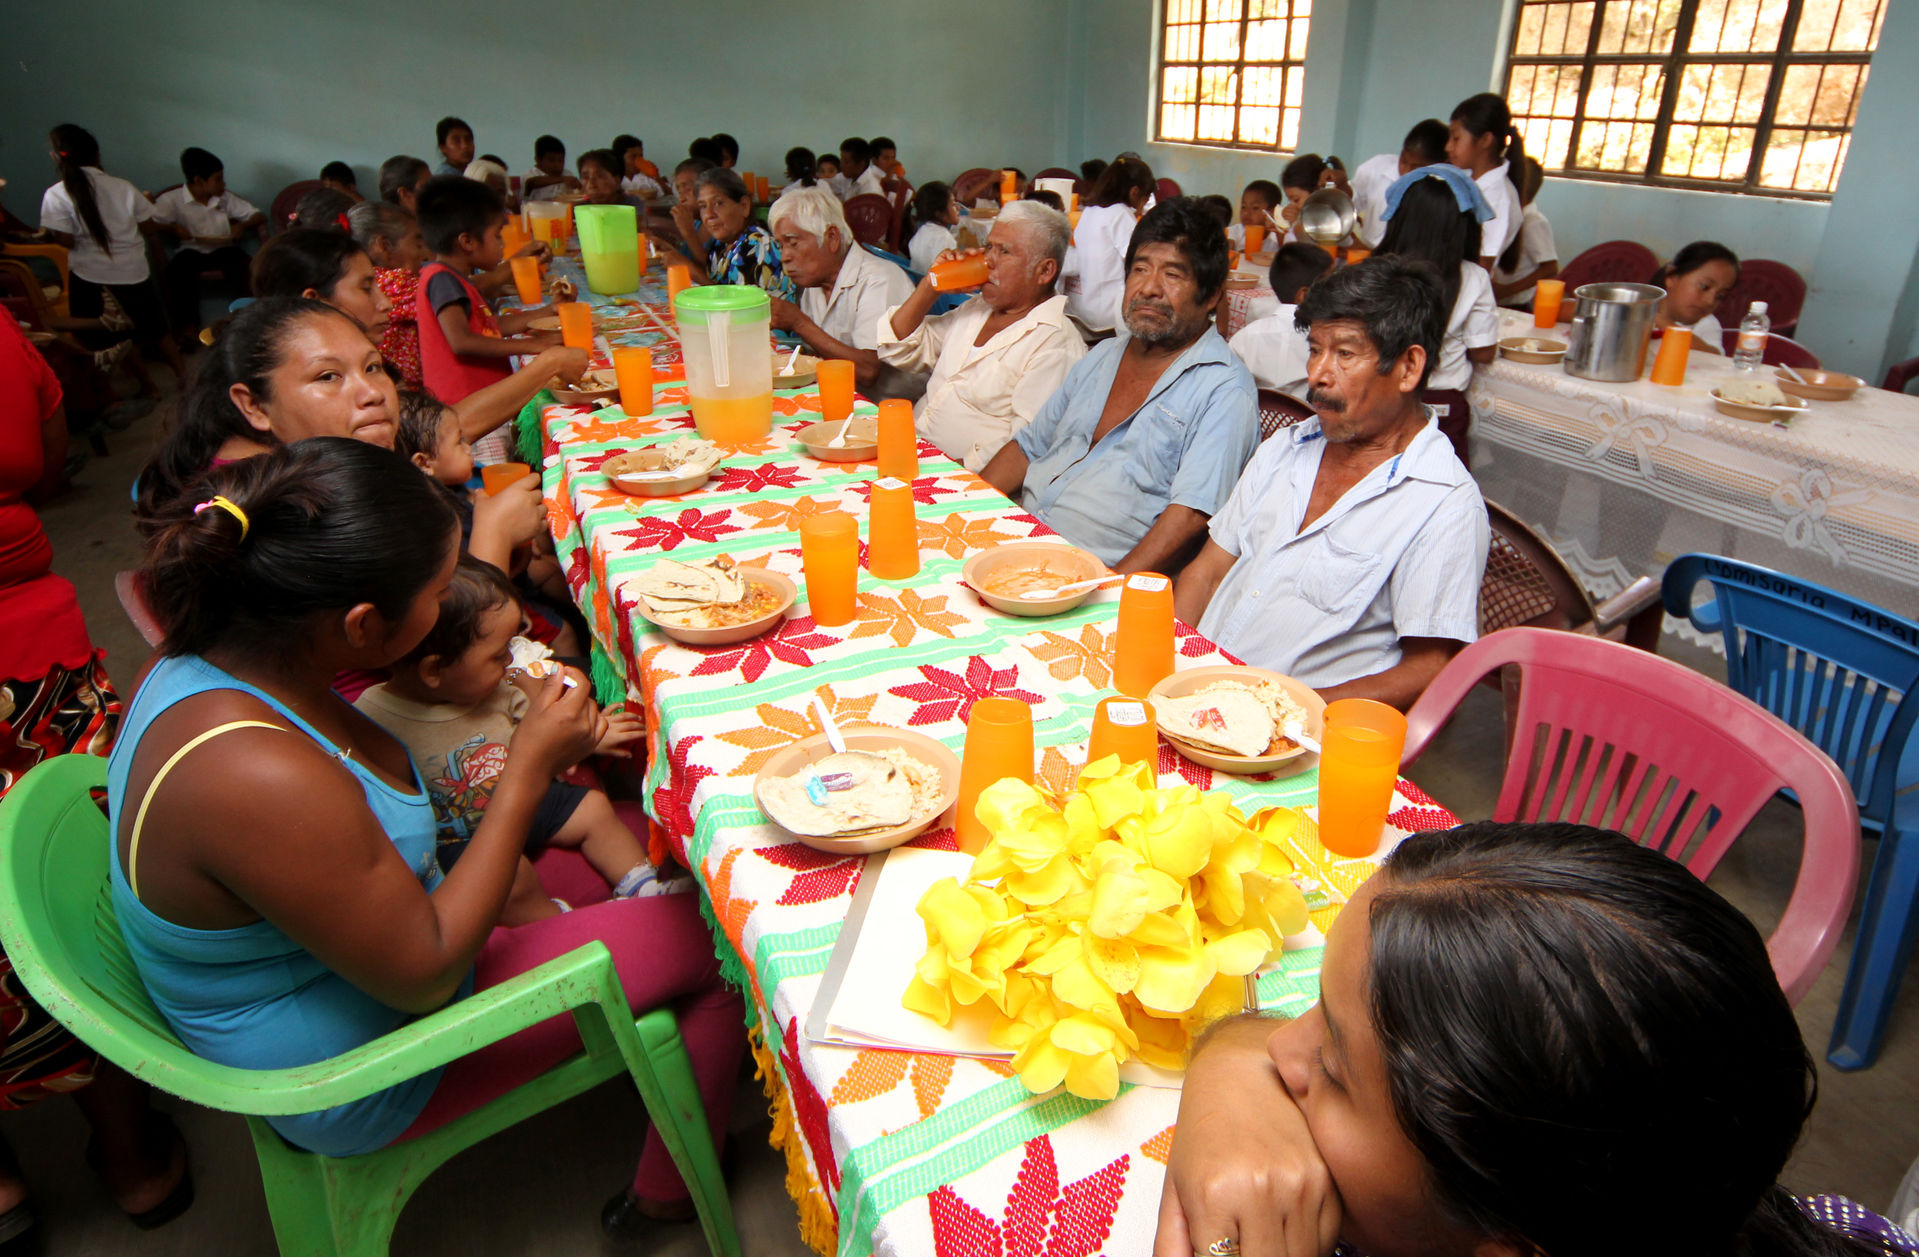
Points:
(153, 786)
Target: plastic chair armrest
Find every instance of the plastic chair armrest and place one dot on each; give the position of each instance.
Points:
(1626, 604)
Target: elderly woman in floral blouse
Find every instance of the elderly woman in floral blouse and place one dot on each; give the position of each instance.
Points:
(736, 249)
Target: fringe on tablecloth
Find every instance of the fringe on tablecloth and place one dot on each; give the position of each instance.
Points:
(818, 1227)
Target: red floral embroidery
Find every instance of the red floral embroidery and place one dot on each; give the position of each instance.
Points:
(789, 644)
(1039, 529)
(1040, 1218)
(947, 695)
(821, 876)
(1171, 761)
(1415, 819)
(926, 489)
(937, 840)
(753, 479)
(594, 462)
(810, 1110)
(673, 800)
(691, 524)
(1413, 794)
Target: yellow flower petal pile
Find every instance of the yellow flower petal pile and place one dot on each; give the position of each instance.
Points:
(1115, 924)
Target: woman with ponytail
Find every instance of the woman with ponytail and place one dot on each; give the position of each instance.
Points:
(103, 222)
(274, 870)
(1483, 141)
(1530, 1039)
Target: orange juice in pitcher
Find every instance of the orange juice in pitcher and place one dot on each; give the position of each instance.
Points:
(725, 332)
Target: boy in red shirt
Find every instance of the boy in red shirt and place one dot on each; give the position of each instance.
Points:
(463, 346)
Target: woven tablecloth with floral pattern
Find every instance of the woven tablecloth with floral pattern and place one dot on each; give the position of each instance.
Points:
(887, 1151)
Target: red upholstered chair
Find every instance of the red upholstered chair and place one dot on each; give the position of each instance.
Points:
(285, 203)
(975, 183)
(1778, 285)
(1900, 374)
(871, 218)
(1616, 261)
(1280, 410)
(901, 199)
(1778, 349)
(1167, 188)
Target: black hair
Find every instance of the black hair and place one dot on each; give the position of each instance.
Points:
(398, 173)
(477, 587)
(1427, 139)
(727, 181)
(728, 146)
(1213, 203)
(696, 166)
(1488, 112)
(447, 126)
(1181, 221)
(322, 209)
(1397, 300)
(548, 144)
(825, 157)
(249, 349)
(930, 203)
(1554, 1003)
(1268, 191)
(451, 206)
(74, 149)
(880, 143)
(330, 523)
(1050, 199)
(302, 258)
(623, 142)
(339, 172)
(706, 150)
(495, 158)
(1123, 177)
(1296, 265)
(856, 148)
(197, 163)
(1694, 256)
(1090, 170)
(799, 166)
(1303, 171)
(418, 431)
(605, 159)
(1430, 226)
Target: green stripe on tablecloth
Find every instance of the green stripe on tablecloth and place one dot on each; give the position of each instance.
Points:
(780, 958)
(1292, 986)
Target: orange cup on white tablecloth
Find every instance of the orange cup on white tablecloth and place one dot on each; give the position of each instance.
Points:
(1143, 644)
(999, 744)
(1548, 294)
(633, 370)
(1358, 767)
(1123, 727)
(1669, 368)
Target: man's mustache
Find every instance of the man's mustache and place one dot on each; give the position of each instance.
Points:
(1319, 400)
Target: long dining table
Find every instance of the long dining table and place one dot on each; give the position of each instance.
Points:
(889, 1152)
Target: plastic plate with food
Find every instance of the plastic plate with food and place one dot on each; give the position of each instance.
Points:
(888, 787)
(590, 389)
(1819, 386)
(1756, 400)
(713, 603)
(1003, 576)
(1236, 719)
(805, 372)
(1535, 349)
(862, 439)
(665, 470)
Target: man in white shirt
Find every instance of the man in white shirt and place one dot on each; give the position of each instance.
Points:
(844, 290)
(1425, 145)
(208, 222)
(858, 175)
(1351, 552)
(1272, 346)
(996, 359)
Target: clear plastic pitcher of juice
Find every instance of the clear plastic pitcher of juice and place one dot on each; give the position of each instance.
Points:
(725, 339)
(610, 247)
(959, 274)
(548, 222)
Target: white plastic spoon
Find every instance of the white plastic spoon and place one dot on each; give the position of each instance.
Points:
(831, 730)
(1787, 368)
(839, 438)
(788, 368)
(1297, 732)
(1042, 595)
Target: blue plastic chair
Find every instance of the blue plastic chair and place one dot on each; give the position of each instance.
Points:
(1844, 673)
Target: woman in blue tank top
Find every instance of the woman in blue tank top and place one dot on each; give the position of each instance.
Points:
(275, 875)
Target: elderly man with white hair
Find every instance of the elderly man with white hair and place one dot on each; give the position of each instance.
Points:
(996, 359)
(843, 288)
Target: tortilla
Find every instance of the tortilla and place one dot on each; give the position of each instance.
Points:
(1759, 392)
(670, 586)
(861, 791)
(1233, 720)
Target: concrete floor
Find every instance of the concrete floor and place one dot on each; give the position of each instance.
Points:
(537, 1189)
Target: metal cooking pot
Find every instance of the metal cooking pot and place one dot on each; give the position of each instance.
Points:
(1326, 217)
(1612, 325)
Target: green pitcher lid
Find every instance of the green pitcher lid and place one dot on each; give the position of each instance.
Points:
(722, 299)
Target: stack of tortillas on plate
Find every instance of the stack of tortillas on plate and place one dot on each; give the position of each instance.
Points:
(1231, 718)
(674, 589)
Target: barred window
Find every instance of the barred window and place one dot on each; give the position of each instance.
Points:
(1233, 72)
(1755, 96)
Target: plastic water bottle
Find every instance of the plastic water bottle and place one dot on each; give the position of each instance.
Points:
(1752, 338)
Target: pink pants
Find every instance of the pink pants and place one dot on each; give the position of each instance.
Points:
(664, 954)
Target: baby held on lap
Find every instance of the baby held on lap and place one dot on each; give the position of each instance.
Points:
(454, 704)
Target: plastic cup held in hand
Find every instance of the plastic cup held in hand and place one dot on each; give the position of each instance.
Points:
(899, 444)
(1143, 649)
(836, 389)
(830, 555)
(724, 331)
(892, 531)
(1669, 367)
(1255, 238)
(497, 476)
(958, 274)
(1547, 296)
(633, 369)
(1358, 767)
(999, 744)
(1123, 727)
(576, 325)
(526, 280)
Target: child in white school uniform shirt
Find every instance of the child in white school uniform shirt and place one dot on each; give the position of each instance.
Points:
(208, 221)
(1273, 348)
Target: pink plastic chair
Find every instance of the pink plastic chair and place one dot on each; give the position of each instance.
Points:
(1606, 735)
(1166, 189)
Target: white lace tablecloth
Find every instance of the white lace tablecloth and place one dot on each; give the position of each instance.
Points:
(1625, 477)
(1243, 305)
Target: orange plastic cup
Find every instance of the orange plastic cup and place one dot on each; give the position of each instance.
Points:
(752, 182)
(513, 236)
(678, 280)
(1357, 770)
(1547, 296)
(830, 554)
(1255, 238)
(765, 190)
(892, 531)
(899, 445)
(526, 280)
(999, 744)
(1669, 367)
(497, 476)
(1143, 650)
(576, 325)
(633, 368)
(957, 274)
(1355, 256)
(1123, 727)
(836, 389)
(1008, 187)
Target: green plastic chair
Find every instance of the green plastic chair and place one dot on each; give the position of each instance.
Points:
(58, 927)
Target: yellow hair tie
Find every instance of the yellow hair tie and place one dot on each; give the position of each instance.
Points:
(227, 504)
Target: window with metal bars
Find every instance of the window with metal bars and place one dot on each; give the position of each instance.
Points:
(1232, 73)
(1754, 96)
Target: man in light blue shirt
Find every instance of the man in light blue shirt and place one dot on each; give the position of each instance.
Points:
(1144, 441)
(1351, 554)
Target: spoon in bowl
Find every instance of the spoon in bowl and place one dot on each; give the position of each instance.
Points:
(1042, 595)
